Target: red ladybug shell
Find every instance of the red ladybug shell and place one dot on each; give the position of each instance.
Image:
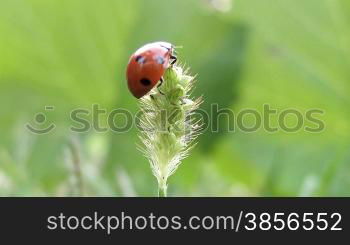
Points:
(147, 66)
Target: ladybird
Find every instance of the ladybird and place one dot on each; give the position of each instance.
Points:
(147, 66)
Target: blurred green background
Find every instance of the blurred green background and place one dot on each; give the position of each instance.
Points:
(72, 54)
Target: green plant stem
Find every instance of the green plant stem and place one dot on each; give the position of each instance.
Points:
(77, 167)
(162, 189)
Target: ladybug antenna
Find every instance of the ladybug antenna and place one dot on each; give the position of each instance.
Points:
(175, 49)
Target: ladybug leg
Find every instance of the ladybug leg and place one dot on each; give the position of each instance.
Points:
(174, 59)
(160, 84)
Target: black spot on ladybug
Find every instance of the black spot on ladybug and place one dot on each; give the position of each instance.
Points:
(140, 59)
(160, 60)
(145, 82)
